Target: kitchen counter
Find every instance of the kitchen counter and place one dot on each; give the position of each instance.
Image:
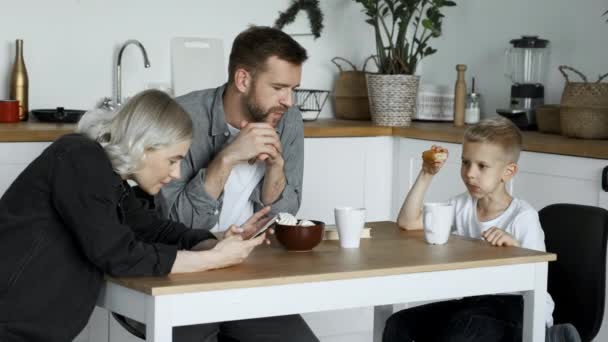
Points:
(328, 128)
(33, 131)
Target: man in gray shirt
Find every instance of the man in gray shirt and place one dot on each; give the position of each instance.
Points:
(265, 66)
(247, 153)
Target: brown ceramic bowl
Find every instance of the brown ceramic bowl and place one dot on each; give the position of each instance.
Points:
(296, 238)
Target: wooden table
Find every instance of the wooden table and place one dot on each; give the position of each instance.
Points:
(392, 267)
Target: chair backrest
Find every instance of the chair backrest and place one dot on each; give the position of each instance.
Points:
(577, 280)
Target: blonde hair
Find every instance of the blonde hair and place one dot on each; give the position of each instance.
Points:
(499, 131)
(150, 120)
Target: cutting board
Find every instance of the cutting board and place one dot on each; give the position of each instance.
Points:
(197, 63)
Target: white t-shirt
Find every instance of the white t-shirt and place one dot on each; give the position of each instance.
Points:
(243, 178)
(520, 220)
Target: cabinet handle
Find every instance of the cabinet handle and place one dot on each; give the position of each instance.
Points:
(605, 179)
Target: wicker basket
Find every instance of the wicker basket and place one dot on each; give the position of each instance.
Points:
(392, 98)
(584, 122)
(584, 107)
(548, 119)
(351, 101)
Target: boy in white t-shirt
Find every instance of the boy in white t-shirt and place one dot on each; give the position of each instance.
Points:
(486, 211)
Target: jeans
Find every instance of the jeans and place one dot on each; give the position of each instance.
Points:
(472, 319)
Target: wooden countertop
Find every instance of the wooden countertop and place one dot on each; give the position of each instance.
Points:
(33, 131)
(390, 251)
(327, 128)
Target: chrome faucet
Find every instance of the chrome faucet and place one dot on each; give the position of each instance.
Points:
(118, 85)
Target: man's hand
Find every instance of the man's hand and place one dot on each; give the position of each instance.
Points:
(498, 237)
(256, 140)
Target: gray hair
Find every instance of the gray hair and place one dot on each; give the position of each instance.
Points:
(150, 120)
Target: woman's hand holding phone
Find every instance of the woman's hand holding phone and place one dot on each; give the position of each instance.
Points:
(253, 225)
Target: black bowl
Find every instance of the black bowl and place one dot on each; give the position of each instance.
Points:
(58, 115)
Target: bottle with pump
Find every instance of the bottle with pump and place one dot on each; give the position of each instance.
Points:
(19, 82)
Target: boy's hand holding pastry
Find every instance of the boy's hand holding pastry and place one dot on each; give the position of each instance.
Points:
(433, 159)
(498, 237)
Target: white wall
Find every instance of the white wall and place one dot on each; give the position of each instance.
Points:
(477, 32)
(70, 45)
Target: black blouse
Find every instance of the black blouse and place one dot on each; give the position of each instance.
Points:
(67, 220)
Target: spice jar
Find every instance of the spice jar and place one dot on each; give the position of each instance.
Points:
(472, 111)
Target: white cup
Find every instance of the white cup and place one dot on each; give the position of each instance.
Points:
(350, 222)
(437, 220)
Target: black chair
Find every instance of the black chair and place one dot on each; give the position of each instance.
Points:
(577, 280)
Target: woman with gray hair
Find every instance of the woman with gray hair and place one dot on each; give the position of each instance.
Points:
(70, 217)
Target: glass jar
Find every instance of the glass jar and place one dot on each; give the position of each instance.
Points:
(472, 111)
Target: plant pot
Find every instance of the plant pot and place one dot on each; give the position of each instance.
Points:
(392, 98)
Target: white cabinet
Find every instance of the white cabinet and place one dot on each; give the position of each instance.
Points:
(14, 157)
(354, 172)
(544, 179)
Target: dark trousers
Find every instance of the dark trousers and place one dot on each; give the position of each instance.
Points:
(473, 319)
(268, 329)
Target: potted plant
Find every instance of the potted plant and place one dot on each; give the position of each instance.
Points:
(402, 29)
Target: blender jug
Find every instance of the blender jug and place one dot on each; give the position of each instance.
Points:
(526, 68)
(526, 60)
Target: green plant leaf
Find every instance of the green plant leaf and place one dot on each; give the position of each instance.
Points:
(402, 30)
(428, 24)
(385, 11)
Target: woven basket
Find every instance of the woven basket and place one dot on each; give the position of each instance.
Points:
(584, 107)
(392, 98)
(548, 119)
(351, 100)
(584, 122)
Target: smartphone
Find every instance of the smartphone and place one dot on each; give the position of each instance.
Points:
(265, 227)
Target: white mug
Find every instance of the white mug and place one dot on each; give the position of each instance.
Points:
(437, 220)
(350, 222)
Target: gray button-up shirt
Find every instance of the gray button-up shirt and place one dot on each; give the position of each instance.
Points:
(185, 200)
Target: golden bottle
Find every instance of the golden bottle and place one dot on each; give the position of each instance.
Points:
(19, 82)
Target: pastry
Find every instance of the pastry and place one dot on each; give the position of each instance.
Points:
(434, 156)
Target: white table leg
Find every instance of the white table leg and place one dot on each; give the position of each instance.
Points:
(158, 320)
(535, 306)
(381, 314)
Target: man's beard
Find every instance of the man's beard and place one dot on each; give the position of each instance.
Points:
(257, 113)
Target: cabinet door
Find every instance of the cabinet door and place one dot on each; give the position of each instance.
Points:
(355, 172)
(545, 179)
(14, 157)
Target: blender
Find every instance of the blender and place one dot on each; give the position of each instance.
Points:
(526, 68)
